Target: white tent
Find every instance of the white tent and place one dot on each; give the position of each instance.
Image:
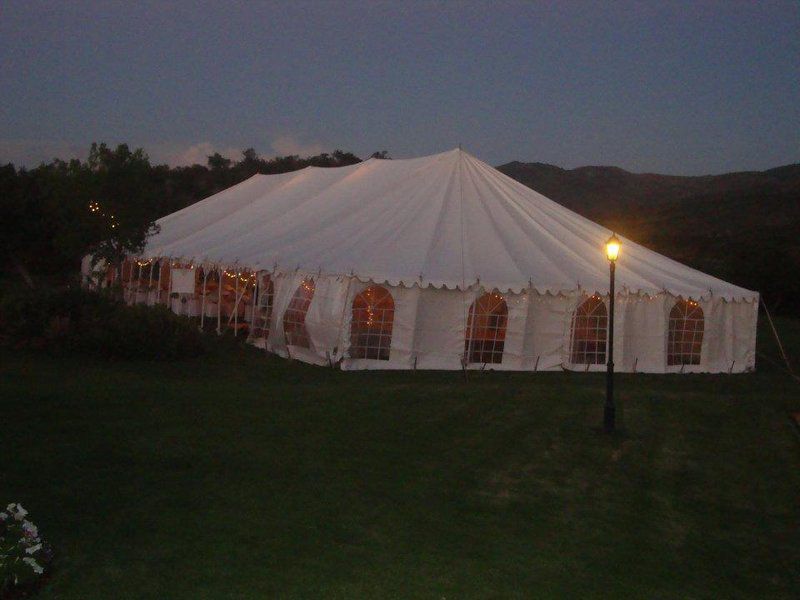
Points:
(442, 262)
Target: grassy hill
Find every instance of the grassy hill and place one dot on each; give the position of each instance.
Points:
(241, 475)
(743, 227)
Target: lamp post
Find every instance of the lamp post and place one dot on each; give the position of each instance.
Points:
(609, 415)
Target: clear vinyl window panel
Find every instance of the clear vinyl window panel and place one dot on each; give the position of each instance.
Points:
(236, 294)
(371, 327)
(685, 333)
(263, 308)
(486, 329)
(294, 319)
(589, 335)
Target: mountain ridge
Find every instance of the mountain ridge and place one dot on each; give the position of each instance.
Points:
(742, 226)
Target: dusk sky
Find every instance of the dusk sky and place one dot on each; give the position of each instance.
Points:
(669, 87)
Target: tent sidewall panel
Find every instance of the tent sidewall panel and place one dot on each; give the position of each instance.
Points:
(644, 334)
(429, 327)
(439, 329)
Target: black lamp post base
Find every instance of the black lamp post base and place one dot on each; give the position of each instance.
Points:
(609, 419)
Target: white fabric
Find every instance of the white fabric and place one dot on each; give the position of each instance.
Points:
(401, 355)
(182, 281)
(443, 220)
(438, 232)
(430, 327)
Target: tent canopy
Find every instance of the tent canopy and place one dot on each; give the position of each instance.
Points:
(446, 220)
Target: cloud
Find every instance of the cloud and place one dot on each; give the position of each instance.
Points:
(179, 156)
(183, 156)
(30, 153)
(286, 144)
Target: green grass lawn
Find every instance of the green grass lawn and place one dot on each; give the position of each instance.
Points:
(241, 475)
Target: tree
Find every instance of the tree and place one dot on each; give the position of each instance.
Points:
(15, 226)
(217, 162)
(122, 211)
(106, 206)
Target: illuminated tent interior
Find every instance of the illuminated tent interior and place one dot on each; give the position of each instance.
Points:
(438, 262)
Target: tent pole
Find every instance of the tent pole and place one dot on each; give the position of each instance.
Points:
(236, 306)
(126, 287)
(169, 286)
(467, 334)
(168, 282)
(160, 281)
(473, 308)
(465, 308)
(221, 278)
(203, 301)
(254, 280)
(138, 282)
(286, 343)
(255, 301)
(150, 283)
(266, 323)
(130, 277)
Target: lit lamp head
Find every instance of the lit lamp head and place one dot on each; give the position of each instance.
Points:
(612, 248)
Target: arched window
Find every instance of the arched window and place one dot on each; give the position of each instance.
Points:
(263, 315)
(164, 274)
(371, 328)
(685, 337)
(486, 329)
(294, 319)
(128, 267)
(199, 281)
(590, 332)
(111, 275)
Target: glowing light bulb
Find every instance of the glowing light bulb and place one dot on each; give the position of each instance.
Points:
(612, 248)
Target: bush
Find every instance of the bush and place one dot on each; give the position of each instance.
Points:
(96, 323)
(24, 557)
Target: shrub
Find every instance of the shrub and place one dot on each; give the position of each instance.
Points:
(96, 323)
(24, 557)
